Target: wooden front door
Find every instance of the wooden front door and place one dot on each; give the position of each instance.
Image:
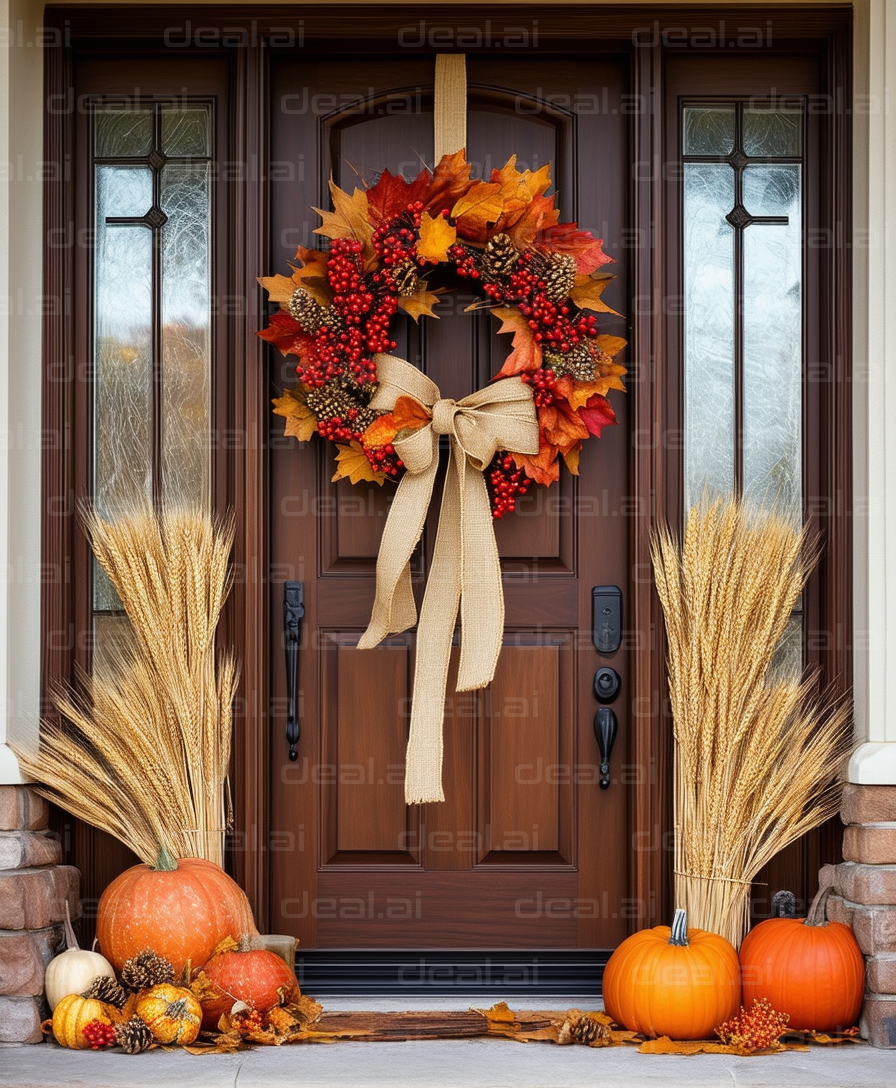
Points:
(527, 851)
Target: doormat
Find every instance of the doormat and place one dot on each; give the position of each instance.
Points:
(308, 1022)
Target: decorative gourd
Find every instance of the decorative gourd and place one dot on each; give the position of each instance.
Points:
(181, 909)
(72, 1014)
(171, 1013)
(678, 982)
(809, 967)
(73, 971)
(256, 977)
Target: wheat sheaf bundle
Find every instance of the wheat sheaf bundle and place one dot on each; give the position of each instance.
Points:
(756, 755)
(144, 742)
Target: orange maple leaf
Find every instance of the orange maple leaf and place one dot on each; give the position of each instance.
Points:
(407, 415)
(301, 422)
(561, 425)
(352, 464)
(526, 354)
(543, 468)
(529, 223)
(421, 303)
(279, 288)
(449, 181)
(312, 274)
(349, 218)
(436, 236)
(479, 207)
(586, 293)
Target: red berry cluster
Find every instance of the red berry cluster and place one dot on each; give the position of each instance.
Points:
(543, 382)
(465, 261)
(506, 482)
(384, 459)
(394, 240)
(341, 430)
(549, 321)
(364, 326)
(99, 1034)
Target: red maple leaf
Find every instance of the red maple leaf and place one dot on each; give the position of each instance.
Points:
(597, 413)
(392, 194)
(285, 333)
(567, 238)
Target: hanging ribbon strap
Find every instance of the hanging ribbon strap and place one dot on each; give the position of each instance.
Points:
(466, 571)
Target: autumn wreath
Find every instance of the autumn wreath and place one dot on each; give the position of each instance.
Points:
(401, 244)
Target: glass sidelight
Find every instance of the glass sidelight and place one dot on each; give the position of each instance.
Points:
(152, 333)
(743, 177)
(743, 300)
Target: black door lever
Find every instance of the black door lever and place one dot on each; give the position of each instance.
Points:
(605, 729)
(293, 611)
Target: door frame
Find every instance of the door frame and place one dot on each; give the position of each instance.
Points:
(247, 37)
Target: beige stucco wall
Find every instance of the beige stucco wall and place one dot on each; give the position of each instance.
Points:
(874, 389)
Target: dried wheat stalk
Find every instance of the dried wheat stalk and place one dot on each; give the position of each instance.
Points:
(145, 741)
(756, 756)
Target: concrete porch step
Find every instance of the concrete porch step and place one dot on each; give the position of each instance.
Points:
(473, 1063)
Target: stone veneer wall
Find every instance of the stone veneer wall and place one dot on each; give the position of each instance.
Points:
(34, 889)
(866, 885)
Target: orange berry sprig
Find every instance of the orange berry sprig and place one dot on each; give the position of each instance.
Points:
(759, 1029)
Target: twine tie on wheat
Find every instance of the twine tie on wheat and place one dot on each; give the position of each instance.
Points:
(466, 572)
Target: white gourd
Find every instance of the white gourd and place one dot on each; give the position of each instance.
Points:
(73, 971)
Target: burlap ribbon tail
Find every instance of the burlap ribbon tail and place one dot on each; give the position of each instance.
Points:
(466, 572)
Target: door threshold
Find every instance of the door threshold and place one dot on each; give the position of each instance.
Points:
(466, 974)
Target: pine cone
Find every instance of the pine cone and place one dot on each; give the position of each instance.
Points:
(336, 402)
(405, 278)
(108, 990)
(134, 1035)
(145, 970)
(559, 276)
(582, 1028)
(308, 311)
(579, 363)
(500, 256)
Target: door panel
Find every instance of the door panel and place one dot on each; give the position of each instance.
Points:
(526, 851)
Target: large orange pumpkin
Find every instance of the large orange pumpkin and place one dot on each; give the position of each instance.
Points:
(257, 977)
(810, 968)
(182, 910)
(673, 981)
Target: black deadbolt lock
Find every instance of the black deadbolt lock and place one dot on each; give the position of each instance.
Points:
(606, 684)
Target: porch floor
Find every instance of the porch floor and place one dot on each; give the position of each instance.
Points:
(469, 1063)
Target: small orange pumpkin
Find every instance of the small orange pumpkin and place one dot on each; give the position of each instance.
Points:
(256, 977)
(810, 968)
(171, 1013)
(673, 981)
(72, 1014)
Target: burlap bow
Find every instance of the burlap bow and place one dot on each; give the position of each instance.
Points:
(466, 571)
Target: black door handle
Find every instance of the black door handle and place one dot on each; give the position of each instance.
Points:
(293, 611)
(605, 729)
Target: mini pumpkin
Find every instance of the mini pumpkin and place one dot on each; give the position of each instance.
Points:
(673, 981)
(259, 978)
(171, 1013)
(73, 970)
(72, 1014)
(809, 968)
